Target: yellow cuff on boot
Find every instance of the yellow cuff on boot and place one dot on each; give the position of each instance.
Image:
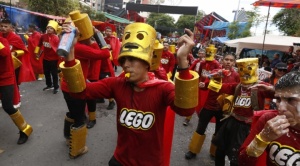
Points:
(21, 123)
(196, 142)
(92, 116)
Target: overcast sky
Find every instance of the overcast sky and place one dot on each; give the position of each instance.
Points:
(225, 7)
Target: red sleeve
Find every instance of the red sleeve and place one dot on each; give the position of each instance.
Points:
(86, 52)
(4, 52)
(244, 159)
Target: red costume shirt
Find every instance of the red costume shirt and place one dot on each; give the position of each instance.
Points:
(212, 96)
(242, 104)
(50, 43)
(115, 47)
(282, 151)
(7, 71)
(33, 42)
(140, 117)
(16, 43)
(168, 61)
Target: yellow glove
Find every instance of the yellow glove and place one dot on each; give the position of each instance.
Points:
(110, 56)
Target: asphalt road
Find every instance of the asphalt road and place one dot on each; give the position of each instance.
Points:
(46, 146)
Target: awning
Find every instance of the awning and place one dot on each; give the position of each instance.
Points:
(188, 10)
(220, 39)
(117, 19)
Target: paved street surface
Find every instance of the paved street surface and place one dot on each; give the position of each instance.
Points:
(45, 112)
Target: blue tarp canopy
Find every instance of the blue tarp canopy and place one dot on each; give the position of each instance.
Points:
(219, 25)
(220, 39)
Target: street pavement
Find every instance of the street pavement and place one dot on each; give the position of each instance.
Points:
(45, 112)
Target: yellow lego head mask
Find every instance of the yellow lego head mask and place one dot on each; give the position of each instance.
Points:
(248, 70)
(83, 23)
(53, 24)
(210, 52)
(138, 41)
(158, 49)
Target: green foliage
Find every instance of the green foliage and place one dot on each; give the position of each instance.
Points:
(160, 19)
(287, 21)
(188, 21)
(53, 7)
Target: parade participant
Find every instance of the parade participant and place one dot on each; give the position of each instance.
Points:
(212, 109)
(195, 67)
(33, 40)
(107, 66)
(236, 126)
(50, 42)
(21, 59)
(7, 81)
(85, 50)
(167, 60)
(277, 133)
(141, 99)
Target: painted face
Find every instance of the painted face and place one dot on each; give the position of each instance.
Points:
(210, 52)
(138, 41)
(248, 70)
(288, 104)
(136, 68)
(50, 30)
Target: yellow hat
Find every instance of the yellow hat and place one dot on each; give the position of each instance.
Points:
(158, 49)
(138, 41)
(248, 70)
(83, 23)
(210, 52)
(53, 24)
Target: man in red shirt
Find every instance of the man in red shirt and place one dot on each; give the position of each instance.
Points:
(50, 42)
(167, 60)
(141, 98)
(7, 81)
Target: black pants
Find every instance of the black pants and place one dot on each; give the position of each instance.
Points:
(7, 93)
(204, 118)
(114, 162)
(76, 108)
(50, 69)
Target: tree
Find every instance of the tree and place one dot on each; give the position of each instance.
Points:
(287, 21)
(54, 7)
(188, 21)
(162, 21)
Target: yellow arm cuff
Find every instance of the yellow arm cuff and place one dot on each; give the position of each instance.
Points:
(37, 50)
(19, 53)
(1, 46)
(26, 37)
(215, 85)
(186, 91)
(74, 77)
(256, 147)
(17, 63)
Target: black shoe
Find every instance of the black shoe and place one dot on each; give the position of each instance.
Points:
(100, 100)
(189, 155)
(111, 105)
(23, 138)
(55, 91)
(47, 88)
(91, 124)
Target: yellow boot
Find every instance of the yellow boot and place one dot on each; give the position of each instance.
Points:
(23, 126)
(213, 147)
(195, 145)
(92, 120)
(77, 143)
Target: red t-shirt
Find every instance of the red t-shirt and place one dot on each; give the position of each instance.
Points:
(168, 61)
(7, 71)
(50, 43)
(282, 151)
(140, 118)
